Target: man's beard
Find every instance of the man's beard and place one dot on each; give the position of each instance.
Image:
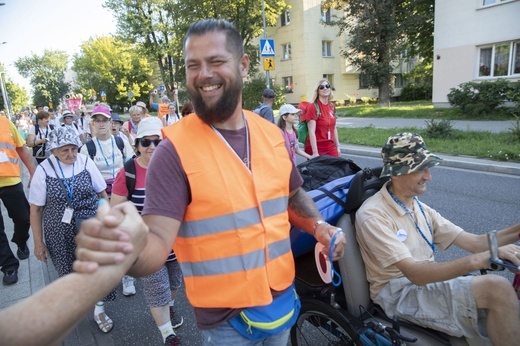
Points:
(223, 108)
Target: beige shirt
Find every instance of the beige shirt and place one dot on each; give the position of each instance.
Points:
(386, 235)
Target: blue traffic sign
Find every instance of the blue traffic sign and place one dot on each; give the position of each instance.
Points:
(266, 47)
(103, 93)
(161, 87)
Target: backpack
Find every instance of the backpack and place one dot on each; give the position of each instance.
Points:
(39, 150)
(331, 201)
(130, 177)
(303, 130)
(258, 109)
(323, 169)
(91, 147)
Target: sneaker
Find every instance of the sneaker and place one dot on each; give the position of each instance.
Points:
(172, 340)
(23, 252)
(10, 277)
(176, 321)
(128, 286)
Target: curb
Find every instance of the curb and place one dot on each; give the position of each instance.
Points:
(462, 162)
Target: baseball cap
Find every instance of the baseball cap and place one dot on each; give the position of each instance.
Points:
(406, 153)
(149, 127)
(101, 110)
(288, 109)
(115, 117)
(165, 98)
(268, 94)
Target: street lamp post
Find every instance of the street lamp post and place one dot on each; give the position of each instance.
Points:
(4, 93)
(267, 78)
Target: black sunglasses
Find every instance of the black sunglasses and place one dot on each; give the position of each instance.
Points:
(146, 142)
(321, 87)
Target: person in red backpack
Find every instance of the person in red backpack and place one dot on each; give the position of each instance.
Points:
(321, 122)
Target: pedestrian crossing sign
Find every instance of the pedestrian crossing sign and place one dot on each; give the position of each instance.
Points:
(266, 47)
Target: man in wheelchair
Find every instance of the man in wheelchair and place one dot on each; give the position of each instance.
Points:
(398, 236)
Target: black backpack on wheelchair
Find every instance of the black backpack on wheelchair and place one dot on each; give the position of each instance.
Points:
(345, 315)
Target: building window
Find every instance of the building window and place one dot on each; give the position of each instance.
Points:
(363, 81)
(287, 84)
(286, 51)
(326, 49)
(492, 2)
(499, 60)
(330, 78)
(398, 80)
(325, 16)
(285, 18)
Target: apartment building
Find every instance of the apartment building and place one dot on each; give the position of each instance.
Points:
(475, 40)
(306, 51)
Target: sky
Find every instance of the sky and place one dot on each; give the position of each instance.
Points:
(31, 26)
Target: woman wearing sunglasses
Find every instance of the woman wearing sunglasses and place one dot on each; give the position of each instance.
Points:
(321, 122)
(159, 288)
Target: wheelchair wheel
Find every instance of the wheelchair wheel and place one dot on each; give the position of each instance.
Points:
(321, 324)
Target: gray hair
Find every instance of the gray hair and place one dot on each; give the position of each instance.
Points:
(135, 109)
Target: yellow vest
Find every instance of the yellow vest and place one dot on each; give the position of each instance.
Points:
(9, 159)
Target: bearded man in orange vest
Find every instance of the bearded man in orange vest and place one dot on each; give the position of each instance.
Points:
(223, 187)
(12, 149)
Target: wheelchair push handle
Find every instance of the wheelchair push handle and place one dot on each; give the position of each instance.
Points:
(496, 262)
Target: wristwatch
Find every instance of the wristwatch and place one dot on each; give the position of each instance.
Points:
(319, 222)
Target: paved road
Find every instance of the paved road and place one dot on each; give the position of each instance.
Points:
(475, 199)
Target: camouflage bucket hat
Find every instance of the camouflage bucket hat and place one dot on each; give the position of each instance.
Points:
(406, 153)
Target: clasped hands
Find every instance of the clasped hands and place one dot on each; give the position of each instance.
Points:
(115, 234)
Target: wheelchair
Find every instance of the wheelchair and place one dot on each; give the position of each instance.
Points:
(345, 315)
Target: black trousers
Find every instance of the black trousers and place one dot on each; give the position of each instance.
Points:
(18, 210)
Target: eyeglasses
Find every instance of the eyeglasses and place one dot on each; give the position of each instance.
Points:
(146, 142)
(99, 121)
(321, 87)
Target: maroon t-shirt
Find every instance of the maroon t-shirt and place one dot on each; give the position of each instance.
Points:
(168, 194)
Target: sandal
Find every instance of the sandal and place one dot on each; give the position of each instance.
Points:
(104, 322)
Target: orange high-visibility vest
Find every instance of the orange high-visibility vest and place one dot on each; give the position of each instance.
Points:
(9, 159)
(233, 245)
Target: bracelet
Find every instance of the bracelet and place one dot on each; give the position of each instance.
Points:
(319, 222)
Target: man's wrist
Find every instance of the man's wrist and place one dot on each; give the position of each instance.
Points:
(316, 225)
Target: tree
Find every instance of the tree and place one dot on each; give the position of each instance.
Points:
(111, 65)
(378, 31)
(159, 26)
(46, 74)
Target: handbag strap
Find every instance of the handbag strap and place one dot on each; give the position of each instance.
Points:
(61, 184)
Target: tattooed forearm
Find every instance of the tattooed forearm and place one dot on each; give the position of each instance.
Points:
(302, 206)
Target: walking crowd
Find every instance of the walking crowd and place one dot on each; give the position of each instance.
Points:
(207, 199)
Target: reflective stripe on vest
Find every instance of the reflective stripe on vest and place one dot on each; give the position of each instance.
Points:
(233, 249)
(11, 167)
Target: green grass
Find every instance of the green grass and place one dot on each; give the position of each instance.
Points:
(415, 109)
(493, 146)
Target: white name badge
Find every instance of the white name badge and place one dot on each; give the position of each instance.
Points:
(67, 215)
(401, 235)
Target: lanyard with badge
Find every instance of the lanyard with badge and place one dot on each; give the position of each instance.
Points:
(396, 200)
(69, 192)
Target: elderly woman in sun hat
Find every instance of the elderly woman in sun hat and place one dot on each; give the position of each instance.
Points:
(67, 120)
(64, 191)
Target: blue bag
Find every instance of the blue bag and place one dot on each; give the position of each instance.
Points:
(331, 201)
(261, 322)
